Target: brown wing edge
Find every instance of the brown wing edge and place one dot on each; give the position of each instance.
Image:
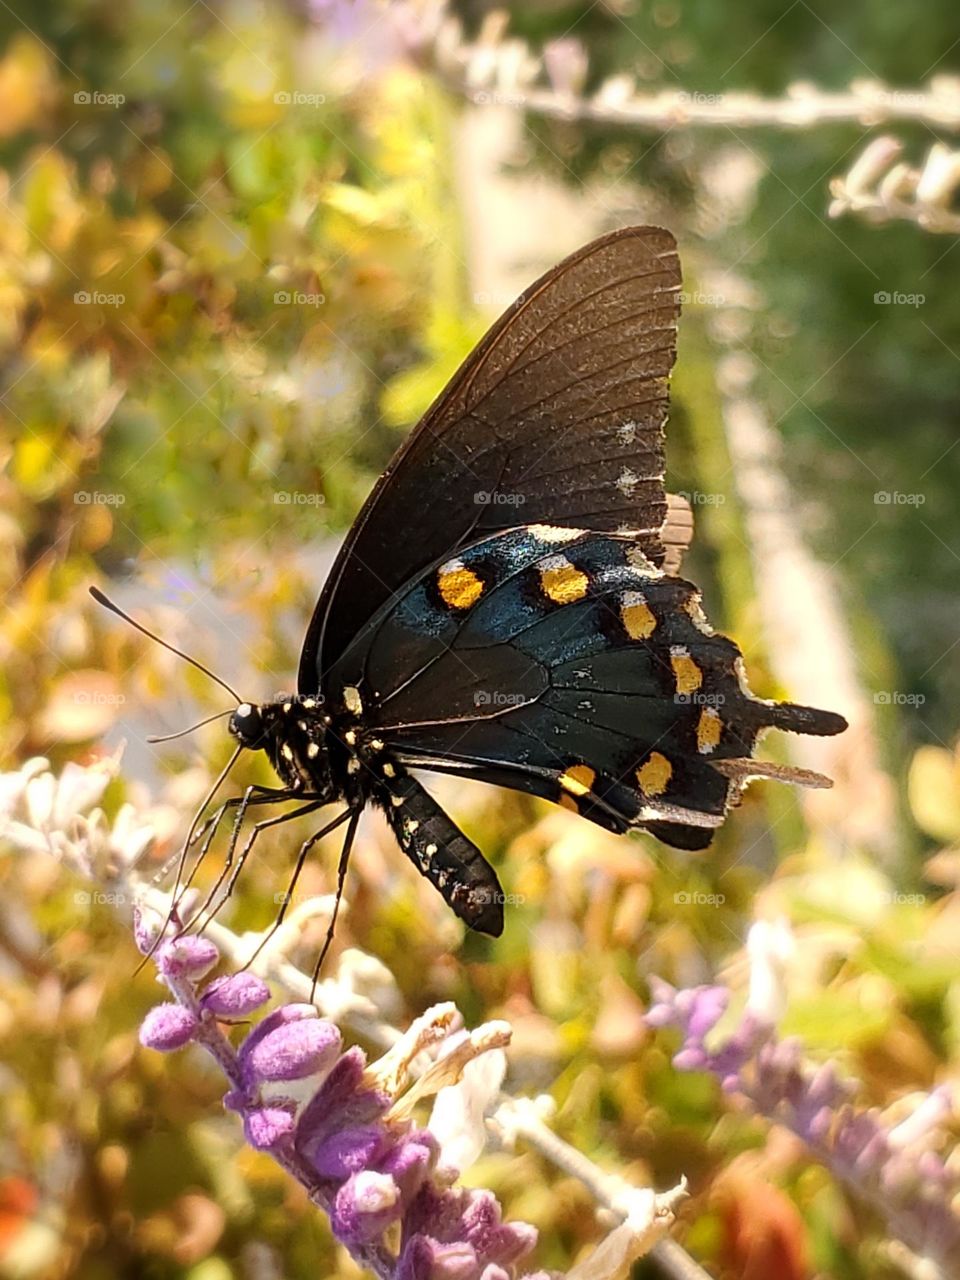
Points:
(676, 532)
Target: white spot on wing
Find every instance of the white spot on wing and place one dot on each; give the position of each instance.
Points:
(352, 700)
(627, 481)
(554, 533)
(638, 561)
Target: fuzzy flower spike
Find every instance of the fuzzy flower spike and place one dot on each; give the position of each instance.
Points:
(353, 1145)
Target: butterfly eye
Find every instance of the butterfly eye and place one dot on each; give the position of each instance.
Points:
(246, 724)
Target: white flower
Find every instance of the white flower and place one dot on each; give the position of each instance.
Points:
(770, 948)
(457, 1119)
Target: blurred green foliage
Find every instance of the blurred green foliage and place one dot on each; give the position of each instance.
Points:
(209, 297)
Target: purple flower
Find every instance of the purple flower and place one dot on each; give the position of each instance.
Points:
(167, 1027)
(882, 1164)
(293, 1051)
(357, 1154)
(457, 1217)
(235, 995)
(186, 957)
(339, 1129)
(267, 1127)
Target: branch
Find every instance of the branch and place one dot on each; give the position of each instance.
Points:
(881, 191)
(498, 70)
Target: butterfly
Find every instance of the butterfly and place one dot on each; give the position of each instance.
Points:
(506, 606)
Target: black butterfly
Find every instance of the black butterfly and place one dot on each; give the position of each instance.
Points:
(504, 607)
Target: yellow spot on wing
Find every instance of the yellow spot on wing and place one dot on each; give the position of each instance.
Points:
(636, 615)
(459, 586)
(562, 582)
(709, 729)
(687, 674)
(654, 774)
(578, 779)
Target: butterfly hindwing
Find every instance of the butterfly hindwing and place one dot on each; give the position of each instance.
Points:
(564, 663)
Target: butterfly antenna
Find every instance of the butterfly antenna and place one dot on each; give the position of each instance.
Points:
(182, 733)
(108, 604)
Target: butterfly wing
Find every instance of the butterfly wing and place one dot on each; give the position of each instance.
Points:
(566, 664)
(556, 417)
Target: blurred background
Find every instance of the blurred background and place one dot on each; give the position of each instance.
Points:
(242, 246)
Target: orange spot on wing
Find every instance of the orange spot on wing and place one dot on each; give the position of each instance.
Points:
(687, 674)
(709, 729)
(562, 582)
(578, 779)
(459, 586)
(654, 774)
(636, 615)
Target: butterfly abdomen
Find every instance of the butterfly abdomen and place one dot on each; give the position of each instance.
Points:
(442, 853)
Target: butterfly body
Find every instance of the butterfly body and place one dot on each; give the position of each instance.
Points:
(507, 606)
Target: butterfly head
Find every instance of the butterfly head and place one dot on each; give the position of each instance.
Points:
(250, 726)
(292, 730)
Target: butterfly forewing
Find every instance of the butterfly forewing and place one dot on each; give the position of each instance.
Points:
(556, 417)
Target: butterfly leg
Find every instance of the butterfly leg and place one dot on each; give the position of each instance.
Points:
(298, 867)
(244, 853)
(441, 852)
(346, 850)
(259, 795)
(243, 802)
(234, 863)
